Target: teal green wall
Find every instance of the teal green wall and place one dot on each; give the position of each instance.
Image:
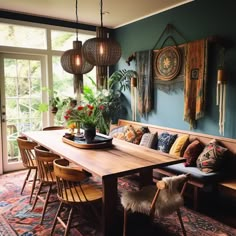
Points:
(195, 20)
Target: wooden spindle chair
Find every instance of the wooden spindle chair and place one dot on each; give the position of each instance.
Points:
(26, 148)
(47, 177)
(72, 192)
(53, 128)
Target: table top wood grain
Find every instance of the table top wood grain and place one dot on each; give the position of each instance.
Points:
(119, 159)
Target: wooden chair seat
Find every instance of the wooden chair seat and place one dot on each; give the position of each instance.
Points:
(49, 178)
(75, 195)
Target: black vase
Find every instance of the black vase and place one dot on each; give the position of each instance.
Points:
(89, 134)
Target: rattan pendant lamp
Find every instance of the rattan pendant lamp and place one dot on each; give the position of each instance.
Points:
(101, 51)
(73, 61)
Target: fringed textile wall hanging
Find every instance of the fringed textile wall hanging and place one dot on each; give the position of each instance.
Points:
(145, 81)
(195, 81)
(143, 84)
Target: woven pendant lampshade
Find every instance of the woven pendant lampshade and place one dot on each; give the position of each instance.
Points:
(102, 52)
(73, 61)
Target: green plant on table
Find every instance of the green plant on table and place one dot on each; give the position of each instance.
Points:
(110, 98)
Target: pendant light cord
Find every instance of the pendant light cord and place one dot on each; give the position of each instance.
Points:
(76, 13)
(101, 13)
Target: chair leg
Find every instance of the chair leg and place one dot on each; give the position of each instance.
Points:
(56, 217)
(125, 222)
(26, 179)
(70, 217)
(181, 222)
(33, 185)
(45, 203)
(36, 197)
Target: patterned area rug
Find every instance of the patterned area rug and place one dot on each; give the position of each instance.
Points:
(5, 228)
(16, 217)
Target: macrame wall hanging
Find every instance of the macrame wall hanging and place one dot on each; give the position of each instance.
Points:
(161, 66)
(168, 61)
(221, 91)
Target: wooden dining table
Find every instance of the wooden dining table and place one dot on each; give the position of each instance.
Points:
(109, 163)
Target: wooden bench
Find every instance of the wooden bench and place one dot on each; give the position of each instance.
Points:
(228, 187)
(205, 180)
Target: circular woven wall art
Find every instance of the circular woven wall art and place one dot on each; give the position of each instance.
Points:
(167, 63)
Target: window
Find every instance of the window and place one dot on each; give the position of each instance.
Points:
(32, 39)
(21, 36)
(63, 40)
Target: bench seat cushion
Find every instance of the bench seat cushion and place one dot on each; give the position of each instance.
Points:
(195, 173)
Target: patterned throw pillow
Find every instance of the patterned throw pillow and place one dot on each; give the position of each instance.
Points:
(165, 141)
(211, 158)
(192, 152)
(118, 132)
(149, 140)
(179, 145)
(134, 135)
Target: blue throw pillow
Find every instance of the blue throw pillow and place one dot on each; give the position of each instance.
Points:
(165, 141)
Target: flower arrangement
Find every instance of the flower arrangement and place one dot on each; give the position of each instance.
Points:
(87, 116)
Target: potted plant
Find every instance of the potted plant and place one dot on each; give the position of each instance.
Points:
(87, 116)
(110, 98)
(55, 103)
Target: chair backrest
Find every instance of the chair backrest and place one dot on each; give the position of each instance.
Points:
(169, 194)
(45, 160)
(69, 179)
(11, 129)
(26, 148)
(53, 128)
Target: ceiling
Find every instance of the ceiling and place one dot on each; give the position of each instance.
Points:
(117, 12)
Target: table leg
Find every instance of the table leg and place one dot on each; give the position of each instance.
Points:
(146, 177)
(110, 193)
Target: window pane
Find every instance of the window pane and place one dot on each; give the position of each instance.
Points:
(10, 67)
(11, 108)
(11, 86)
(35, 68)
(62, 81)
(22, 36)
(62, 40)
(23, 86)
(23, 68)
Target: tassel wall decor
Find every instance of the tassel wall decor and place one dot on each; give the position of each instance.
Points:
(221, 90)
(133, 83)
(220, 98)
